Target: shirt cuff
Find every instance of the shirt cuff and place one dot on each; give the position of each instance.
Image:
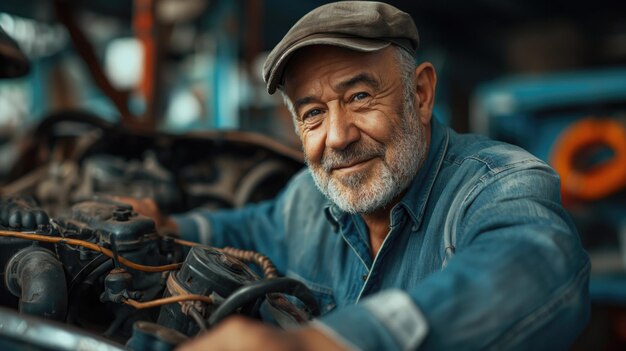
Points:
(194, 227)
(389, 320)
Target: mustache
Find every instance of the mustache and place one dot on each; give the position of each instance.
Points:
(354, 153)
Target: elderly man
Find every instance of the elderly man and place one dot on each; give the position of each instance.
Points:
(410, 235)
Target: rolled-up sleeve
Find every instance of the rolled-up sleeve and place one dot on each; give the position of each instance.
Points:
(258, 227)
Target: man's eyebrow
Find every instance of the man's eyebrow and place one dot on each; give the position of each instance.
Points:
(302, 101)
(344, 85)
(358, 79)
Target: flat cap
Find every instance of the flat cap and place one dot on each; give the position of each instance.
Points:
(357, 25)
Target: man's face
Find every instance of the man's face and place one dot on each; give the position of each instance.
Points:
(362, 141)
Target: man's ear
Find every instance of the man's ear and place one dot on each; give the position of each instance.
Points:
(425, 83)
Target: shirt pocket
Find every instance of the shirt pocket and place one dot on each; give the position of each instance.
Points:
(323, 294)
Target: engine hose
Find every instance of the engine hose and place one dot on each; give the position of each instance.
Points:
(87, 276)
(139, 305)
(89, 268)
(259, 289)
(263, 262)
(197, 317)
(37, 278)
(90, 246)
(269, 270)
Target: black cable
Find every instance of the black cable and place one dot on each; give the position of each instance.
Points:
(195, 315)
(87, 270)
(105, 264)
(105, 267)
(259, 289)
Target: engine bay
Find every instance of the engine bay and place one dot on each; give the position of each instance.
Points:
(75, 260)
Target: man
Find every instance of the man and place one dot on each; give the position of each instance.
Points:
(410, 235)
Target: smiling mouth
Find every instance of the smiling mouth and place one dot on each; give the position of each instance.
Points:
(353, 166)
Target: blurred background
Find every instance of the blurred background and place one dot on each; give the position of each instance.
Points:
(549, 76)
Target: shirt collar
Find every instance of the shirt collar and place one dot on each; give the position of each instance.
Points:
(420, 188)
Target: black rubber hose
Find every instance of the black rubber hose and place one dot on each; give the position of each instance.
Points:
(197, 317)
(253, 291)
(87, 276)
(104, 267)
(37, 278)
(86, 271)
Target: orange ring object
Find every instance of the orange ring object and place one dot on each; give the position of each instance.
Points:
(602, 180)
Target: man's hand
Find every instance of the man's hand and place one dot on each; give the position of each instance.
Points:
(242, 334)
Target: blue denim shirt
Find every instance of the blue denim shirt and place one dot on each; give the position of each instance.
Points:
(480, 254)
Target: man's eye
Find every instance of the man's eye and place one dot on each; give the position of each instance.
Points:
(311, 113)
(360, 96)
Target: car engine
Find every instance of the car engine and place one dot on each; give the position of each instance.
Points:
(81, 268)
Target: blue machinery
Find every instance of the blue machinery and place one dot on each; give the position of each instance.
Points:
(535, 113)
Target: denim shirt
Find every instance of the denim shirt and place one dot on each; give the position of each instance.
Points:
(479, 255)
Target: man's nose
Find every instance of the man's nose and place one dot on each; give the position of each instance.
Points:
(342, 130)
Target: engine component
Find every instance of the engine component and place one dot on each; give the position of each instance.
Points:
(37, 278)
(205, 271)
(106, 174)
(98, 221)
(110, 218)
(100, 285)
(20, 332)
(22, 213)
(151, 336)
(261, 261)
(118, 286)
(257, 290)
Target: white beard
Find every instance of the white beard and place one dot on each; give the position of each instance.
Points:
(367, 191)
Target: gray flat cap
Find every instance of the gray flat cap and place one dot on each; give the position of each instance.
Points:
(357, 25)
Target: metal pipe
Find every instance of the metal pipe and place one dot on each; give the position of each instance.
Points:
(37, 278)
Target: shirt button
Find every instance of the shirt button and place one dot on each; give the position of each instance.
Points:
(414, 227)
(364, 277)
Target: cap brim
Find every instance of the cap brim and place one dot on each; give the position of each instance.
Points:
(352, 43)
